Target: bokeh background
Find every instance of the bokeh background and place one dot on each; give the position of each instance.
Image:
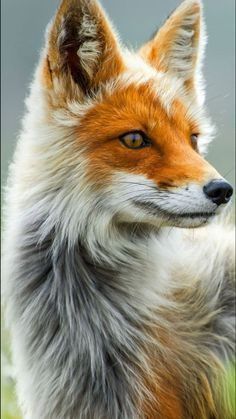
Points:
(23, 24)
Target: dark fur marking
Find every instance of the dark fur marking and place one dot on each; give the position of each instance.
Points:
(69, 41)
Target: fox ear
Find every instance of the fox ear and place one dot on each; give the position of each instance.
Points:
(178, 46)
(82, 49)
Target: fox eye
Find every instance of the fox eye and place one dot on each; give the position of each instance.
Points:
(135, 140)
(194, 140)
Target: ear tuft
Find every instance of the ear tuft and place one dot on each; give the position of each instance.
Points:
(91, 48)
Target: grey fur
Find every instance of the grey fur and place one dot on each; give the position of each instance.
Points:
(82, 336)
(72, 327)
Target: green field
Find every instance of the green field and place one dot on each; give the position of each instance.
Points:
(9, 408)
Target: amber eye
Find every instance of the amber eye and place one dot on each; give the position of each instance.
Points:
(194, 140)
(135, 140)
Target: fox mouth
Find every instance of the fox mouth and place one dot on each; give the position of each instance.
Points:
(193, 214)
(154, 209)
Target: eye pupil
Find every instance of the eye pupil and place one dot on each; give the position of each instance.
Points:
(194, 140)
(194, 137)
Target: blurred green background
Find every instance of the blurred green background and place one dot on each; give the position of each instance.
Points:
(22, 29)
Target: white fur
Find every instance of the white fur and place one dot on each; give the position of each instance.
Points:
(88, 54)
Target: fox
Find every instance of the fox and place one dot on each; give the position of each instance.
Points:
(119, 285)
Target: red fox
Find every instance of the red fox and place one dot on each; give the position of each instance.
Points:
(119, 305)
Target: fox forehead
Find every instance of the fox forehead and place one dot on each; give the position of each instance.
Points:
(134, 106)
(141, 91)
(139, 98)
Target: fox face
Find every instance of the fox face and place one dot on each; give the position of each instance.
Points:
(130, 128)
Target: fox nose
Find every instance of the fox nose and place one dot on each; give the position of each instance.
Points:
(219, 191)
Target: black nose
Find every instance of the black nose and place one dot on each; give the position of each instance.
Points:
(219, 191)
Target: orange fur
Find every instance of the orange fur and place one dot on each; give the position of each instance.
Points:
(164, 386)
(166, 405)
(176, 393)
(171, 161)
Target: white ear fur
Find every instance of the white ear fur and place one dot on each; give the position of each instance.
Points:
(178, 46)
(183, 51)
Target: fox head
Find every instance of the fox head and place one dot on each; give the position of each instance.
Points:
(126, 131)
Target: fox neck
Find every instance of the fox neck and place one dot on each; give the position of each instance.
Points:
(110, 310)
(105, 304)
(118, 244)
(92, 303)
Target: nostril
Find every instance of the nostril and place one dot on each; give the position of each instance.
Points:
(229, 193)
(219, 191)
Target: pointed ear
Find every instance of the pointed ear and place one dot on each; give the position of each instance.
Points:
(177, 48)
(82, 50)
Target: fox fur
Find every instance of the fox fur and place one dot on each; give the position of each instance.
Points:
(118, 270)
